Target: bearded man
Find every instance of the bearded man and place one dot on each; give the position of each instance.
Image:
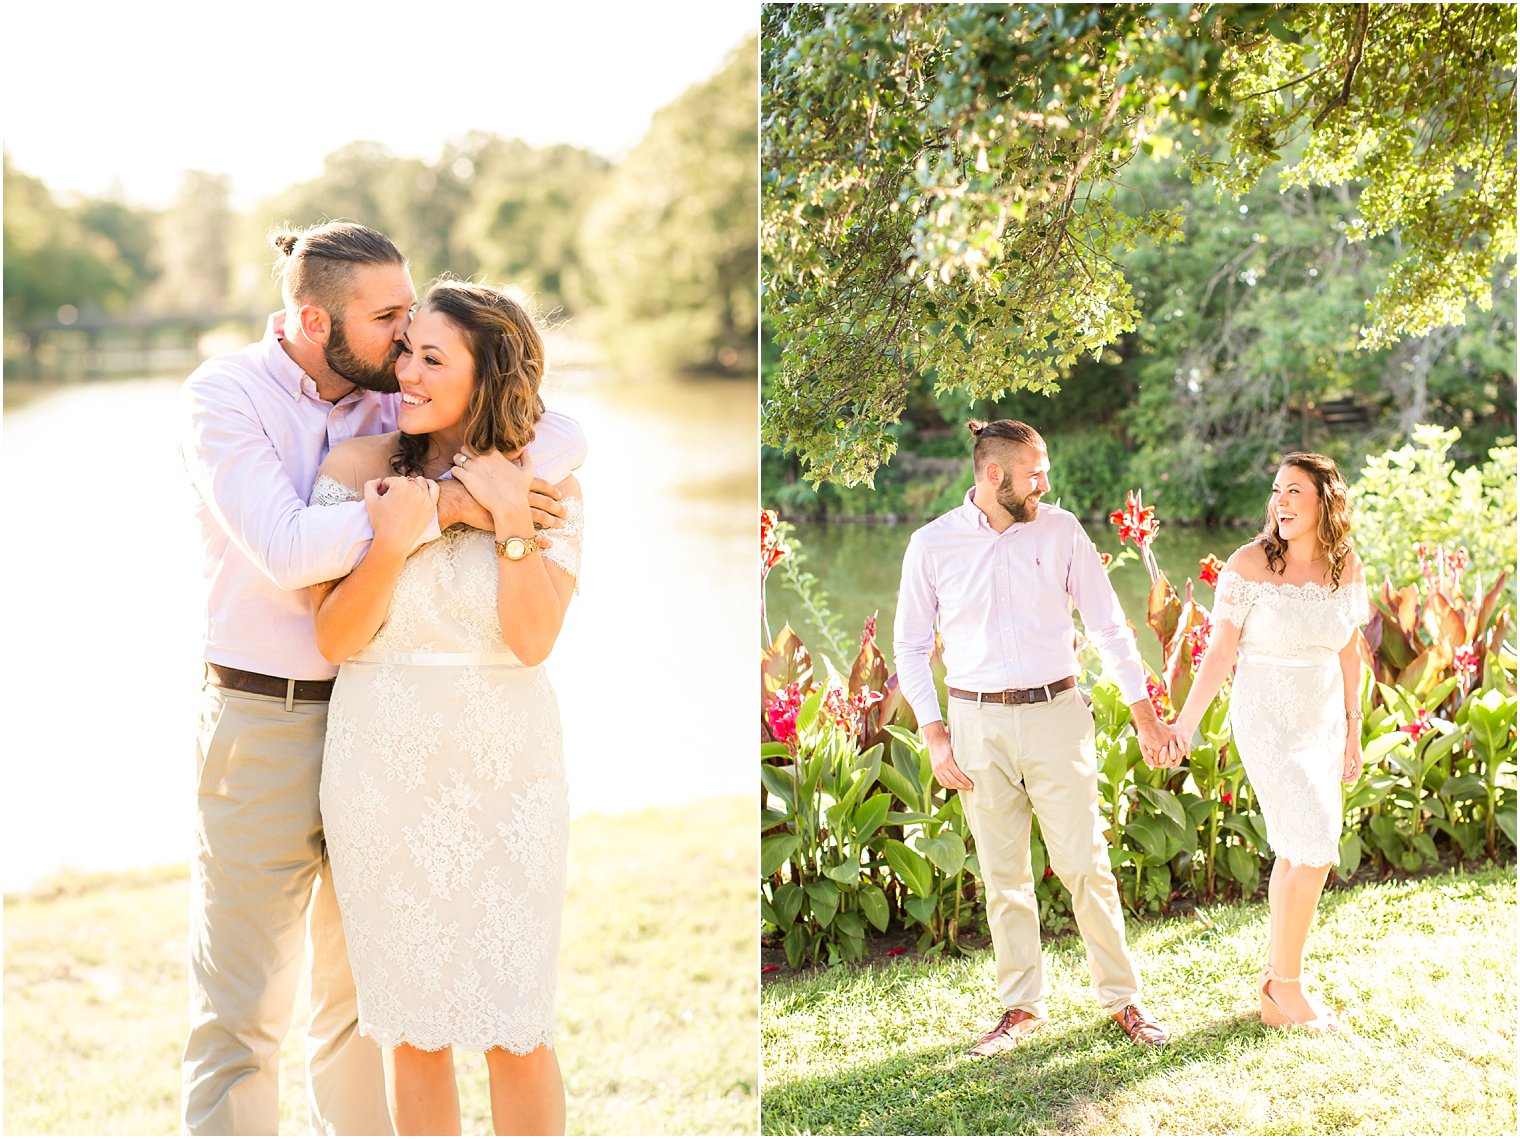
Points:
(998, 575)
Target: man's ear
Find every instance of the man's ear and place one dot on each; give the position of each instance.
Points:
(316, 325)
(991, 473)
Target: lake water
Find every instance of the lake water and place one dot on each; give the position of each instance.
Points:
(654, 668)
(859, 565)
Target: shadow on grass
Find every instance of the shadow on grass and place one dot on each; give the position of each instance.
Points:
(1049, 1083)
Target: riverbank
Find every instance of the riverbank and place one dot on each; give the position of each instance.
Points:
(656, 1004)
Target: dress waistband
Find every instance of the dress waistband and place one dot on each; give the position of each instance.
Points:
(1287, 662)
(499, 660)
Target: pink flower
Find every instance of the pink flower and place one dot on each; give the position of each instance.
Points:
(869, 633)
(1208, 570)
(1136, 523)
(781, 712)
(1420, 726)
(837, 705)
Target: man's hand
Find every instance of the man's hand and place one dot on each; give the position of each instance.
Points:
(548, 510)
(942, 758)
(456, 504)
(1161, 746)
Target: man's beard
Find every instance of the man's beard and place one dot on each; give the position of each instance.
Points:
(345, 362)
(1019, 509)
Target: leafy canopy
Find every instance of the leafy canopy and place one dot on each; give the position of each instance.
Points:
(940, 182)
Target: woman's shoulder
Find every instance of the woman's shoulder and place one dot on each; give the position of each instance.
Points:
(361, 458)
(1249, 562)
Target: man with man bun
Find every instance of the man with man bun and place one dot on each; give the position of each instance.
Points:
(258, 422)
(998, 576)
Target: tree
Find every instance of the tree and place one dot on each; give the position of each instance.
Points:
(193, 246)
(941, 183)
(669, 249)
(60, 255)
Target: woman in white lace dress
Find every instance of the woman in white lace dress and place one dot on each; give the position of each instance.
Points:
(443, 792)
(1289, 606)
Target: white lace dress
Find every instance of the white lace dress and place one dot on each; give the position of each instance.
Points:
(444, 806)
(1287, 706)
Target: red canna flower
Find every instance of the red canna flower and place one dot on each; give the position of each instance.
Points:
(1420, 726)
(1048, 872)
(781, 712)
(1198, 640)
(1466, 661)
(1106, 559)
(772, 548)
(895, 952)
(869, 633)
(1159, 698)
(1136, 523)
(836, 703)
(1208, 570)
(771, 969)
(1227, 798)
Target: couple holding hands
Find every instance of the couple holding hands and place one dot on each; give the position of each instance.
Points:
(998, 577)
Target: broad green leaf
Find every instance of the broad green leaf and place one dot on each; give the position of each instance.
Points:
(912, 867)
(946, 851)
(775, 850)
(870, 815)
(823, 898)
(787, 902)
(873, 903)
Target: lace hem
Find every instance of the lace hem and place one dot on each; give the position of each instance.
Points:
(518, 1046)
(566, 551)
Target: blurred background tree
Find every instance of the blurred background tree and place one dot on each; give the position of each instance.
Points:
(656, 251)
(669, 250)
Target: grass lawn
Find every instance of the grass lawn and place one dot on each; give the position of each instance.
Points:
(657, 990)
(1425, 971)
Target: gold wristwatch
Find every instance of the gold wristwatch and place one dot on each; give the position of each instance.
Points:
(516, 549)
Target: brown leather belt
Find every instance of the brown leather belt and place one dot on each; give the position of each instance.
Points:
(1016, 695)
(261, 685)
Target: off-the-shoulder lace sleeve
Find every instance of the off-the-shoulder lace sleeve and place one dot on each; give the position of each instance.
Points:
(1357, 601)
(328, 491)
(566, 551)
(1233, 597)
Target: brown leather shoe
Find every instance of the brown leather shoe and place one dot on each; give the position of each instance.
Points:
(1015, 1024)
(1140, 1025)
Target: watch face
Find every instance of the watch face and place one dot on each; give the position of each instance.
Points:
(516, 548)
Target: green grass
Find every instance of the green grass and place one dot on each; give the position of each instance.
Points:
(657, 990)
(1424, 969)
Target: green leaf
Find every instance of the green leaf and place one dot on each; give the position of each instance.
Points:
(873, 903)
(870, 815)
(824, 900)
(947, 851)
(850, 925)
(796, 944)
(911, 867)
(774, 751)
(922, 909)
(787, 902)
(780, 782)
(1165, 802)
(775, 850)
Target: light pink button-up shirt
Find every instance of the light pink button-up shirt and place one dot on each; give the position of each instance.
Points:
(1003, 604)
(257, 431)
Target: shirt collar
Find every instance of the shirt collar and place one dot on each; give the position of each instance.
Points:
(972, 515)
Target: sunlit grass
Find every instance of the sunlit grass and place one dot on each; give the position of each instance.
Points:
(1425, 971)
(656, 998)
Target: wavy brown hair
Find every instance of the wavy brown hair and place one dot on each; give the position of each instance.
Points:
(508, 353)
(1334, 516)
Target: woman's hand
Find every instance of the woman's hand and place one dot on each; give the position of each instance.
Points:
(1351, 766)
(400, 509)
(499, 482)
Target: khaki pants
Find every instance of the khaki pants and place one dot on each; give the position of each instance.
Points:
(1040, 758)
(260, 873)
